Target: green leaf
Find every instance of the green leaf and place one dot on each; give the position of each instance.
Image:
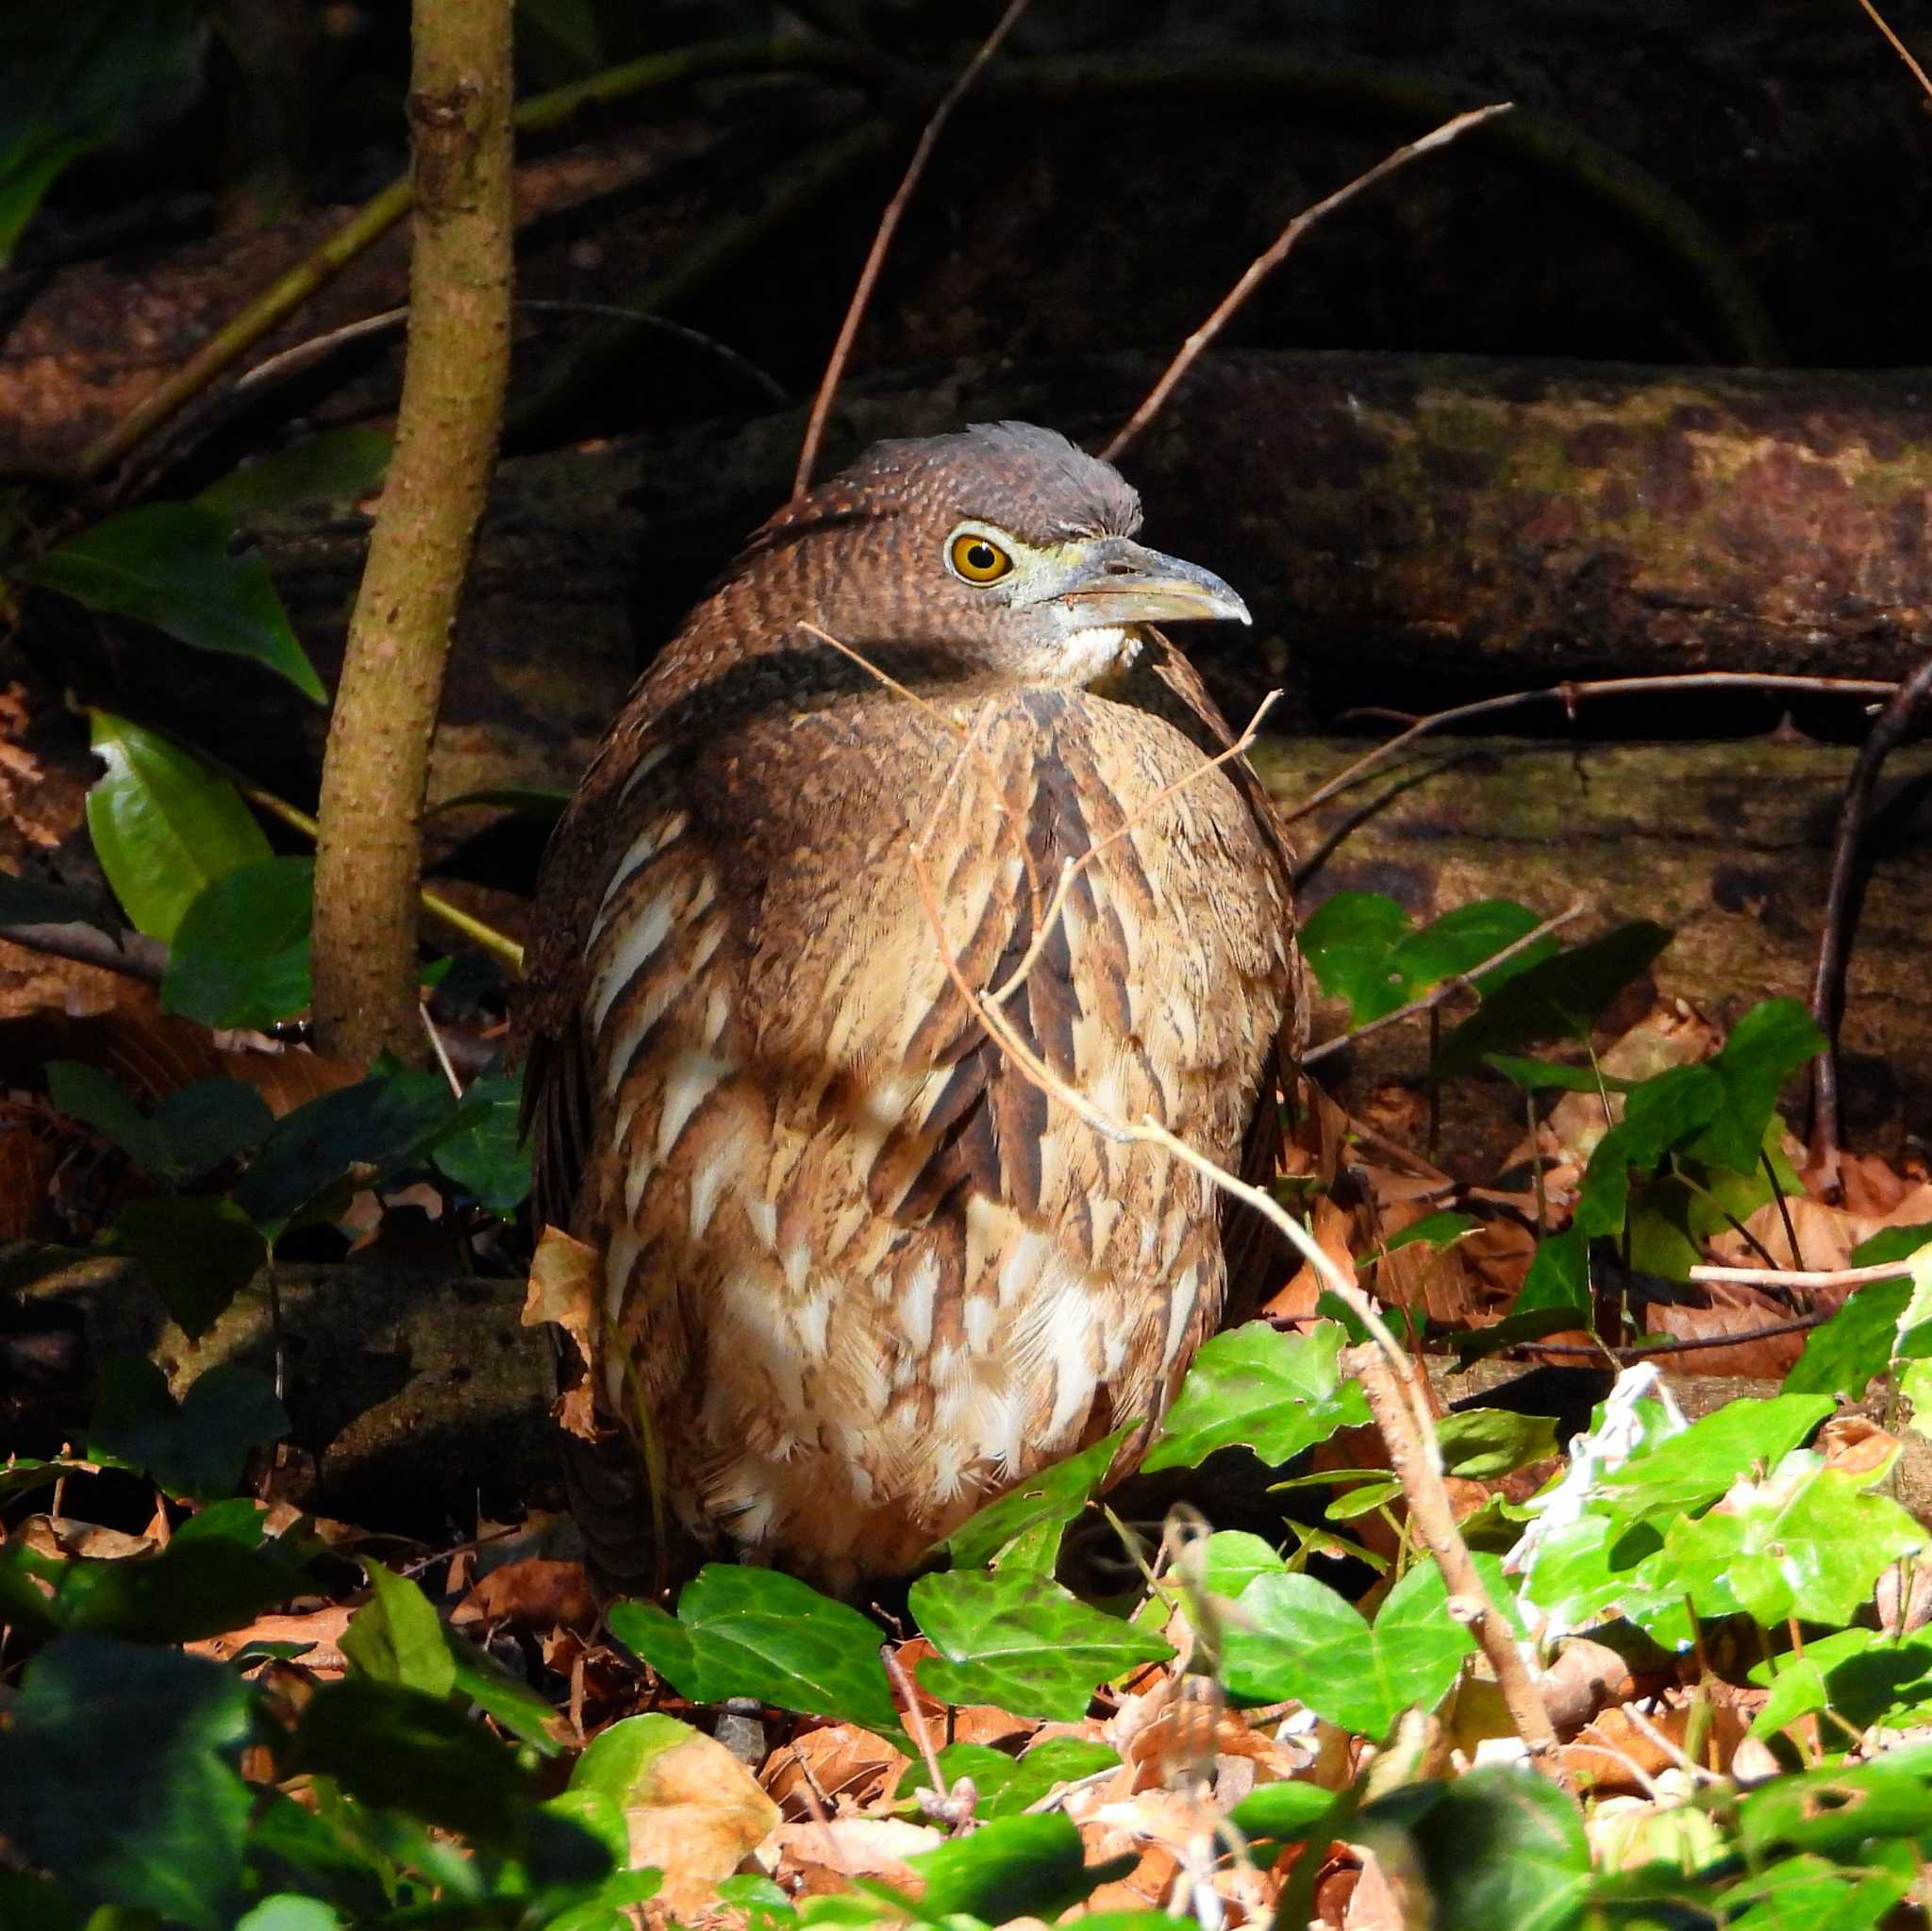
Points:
(97, 1099)
(1283, 1813)
(1008, 1785)
(398, 1747)
(198, 1252)
(1661, 1114)
(1838, 1810)
(1558, 999)
(1806, 1542)
(1767, 1045)
(285, 1911)
(1683, 1472)
(168, 564)
(198, 1448)
(1807, 1894)
(117, 1773)
(1841, 1358)
(1539, 1075)
(1018, 1639)
(1865, 1676)
(1016, 1867)
(1057, 1494)
(1483, 1443)
(1299, 1638)
(1348, 941)
(1440, 1229)
(337, 466)
(240, 955)
(195, 1129)
(755, 1632)
(1463, 939)
(1232, 1558)
(1275, 1393)
(1498, 1847)
(487, 1154)
(1891, 1243)
(358, 1134)
(164, 826)
(482, 1680)
(397, 1635)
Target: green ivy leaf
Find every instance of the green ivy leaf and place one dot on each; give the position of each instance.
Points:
(1540, 1075)
(198, 1252)
(1673, 1476)
(1347, 942)
(1018, 1639)
(1658, 1115)
(1483, 1443)
(117, 1773)
(1440, 1229)
(1275, 1393)
(168, 564)
(1841, 1358)
(195, 1129)
(1016, 1867)
(1009, 1785)
(1297, 1638)
(164, 826)
(1057, 1494)
(1867, 1678)
(487, 1154)
(1283, 1813)
(396, 1637)
(1463, 939)
(756, 1631)
(1891, 1243)
(1496, 1847)
(353, 1137)
(1840, 1811)
(240, 955)
(1767, 1045)
(1558, 999)
(196, 1448)
(337, 466)
(1807, 1542)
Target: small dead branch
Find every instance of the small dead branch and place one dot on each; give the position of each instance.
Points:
(1898, 46)
(882, 240)
(1800, 1277)
(131, 954)
(1688, 1344)
(1447, 990)
(1270, 258)
(1894, 723)
(1569, 695)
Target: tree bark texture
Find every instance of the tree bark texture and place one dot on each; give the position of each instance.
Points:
(377, 764)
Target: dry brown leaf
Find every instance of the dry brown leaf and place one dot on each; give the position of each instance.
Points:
(320, 1628)
(1856, 1445)
(565, 1280)
(1585, 1678)
(839, 1769)
(536, 1593)
(696, 1813)
(822, 1857)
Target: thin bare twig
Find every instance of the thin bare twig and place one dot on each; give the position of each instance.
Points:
(1449, 987)
(1688, 1345)
(1569, 694)
(131, 954)
(886, 677)
(1898, 46)
(1800, 1277)
(882, 240)
(1892, 728)
(1271, 257)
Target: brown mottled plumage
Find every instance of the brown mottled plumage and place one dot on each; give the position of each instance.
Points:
(860, 1271)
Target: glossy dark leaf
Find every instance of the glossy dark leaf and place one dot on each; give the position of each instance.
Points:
(1558, 999)
(1659, 1115)
(1016, 1867)
(1482, 1443)
(164, 826)
(337, 466)
(1283, 1812)
(485, 1154)
(198, 1252)
(364, 1132)
(240, 955)
(197, 1447)
(168, 564)
(117, 1773)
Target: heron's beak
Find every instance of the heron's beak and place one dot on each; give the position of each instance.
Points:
(1116, 581)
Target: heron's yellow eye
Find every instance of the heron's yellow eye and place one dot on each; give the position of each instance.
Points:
(977, 559)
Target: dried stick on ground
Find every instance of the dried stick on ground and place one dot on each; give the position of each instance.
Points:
(376, 768)
(888, 226)
(1396, 1392)
(1894, 725)
(1270, 258)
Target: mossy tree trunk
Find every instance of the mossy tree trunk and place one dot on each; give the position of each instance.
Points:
(376, 763)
